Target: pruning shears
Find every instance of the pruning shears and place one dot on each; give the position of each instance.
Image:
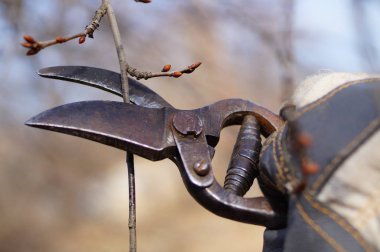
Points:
(152, 128)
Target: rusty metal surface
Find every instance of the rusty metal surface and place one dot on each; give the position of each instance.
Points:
(187, 137)
(125, 126)
(153, 134)
(144, 130)
(105, 80)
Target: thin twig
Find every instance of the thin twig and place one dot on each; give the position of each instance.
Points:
(132, 203)
(125, 87)
(120, 50)
(35, 46)
(147, 75)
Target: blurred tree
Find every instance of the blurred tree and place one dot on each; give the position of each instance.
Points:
(58, 193)
(365, 44)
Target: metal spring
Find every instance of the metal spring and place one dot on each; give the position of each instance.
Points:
(243, 167)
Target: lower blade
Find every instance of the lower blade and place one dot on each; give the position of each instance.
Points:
(136, 129)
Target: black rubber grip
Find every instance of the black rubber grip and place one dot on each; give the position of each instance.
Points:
(243, 167)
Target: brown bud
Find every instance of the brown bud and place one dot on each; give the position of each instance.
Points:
(82, 39)
(59, 39)
(195, 65)
(29, 39)
(177, 74)
(304, 139)
(309, 167)
(32, 51)
(166, 68)
(26, 45)
(192, 67)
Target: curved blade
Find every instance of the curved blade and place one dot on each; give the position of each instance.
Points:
(142, 131)
(106, 80)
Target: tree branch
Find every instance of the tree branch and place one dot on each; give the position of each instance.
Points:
(164, 72)
(119, 49)
(125, 88)
(36, 46)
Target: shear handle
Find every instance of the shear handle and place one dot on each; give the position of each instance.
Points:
(194, 160)
(225, 204)
(194, 163)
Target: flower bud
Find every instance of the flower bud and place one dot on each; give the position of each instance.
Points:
(26, 45)
(82, 39)
(29, 39)
(59, 39)
(32, 51)
(166, 68)
(177, 74)
(195, 65)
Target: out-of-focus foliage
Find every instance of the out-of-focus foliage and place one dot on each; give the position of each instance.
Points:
(59, 193)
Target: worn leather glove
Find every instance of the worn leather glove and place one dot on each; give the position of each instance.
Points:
(337, 206)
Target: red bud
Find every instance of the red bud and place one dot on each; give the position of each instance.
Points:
(59, 39)
(166, 68)
(26, 45)
(195, 65)
(32, 51)
(29, 39)
(82, 39)
(177, 74)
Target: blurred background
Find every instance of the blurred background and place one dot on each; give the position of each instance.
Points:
(59, 193)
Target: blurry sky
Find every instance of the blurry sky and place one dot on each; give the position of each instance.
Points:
(59, 193)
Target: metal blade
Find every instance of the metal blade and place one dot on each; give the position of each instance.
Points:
(142, 131)
(106, 80)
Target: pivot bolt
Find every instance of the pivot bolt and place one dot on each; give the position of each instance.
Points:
(188, 123)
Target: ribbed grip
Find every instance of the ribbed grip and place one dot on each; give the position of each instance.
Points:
(243, 167)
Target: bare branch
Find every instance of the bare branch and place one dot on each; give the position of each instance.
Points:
(35, 46)
(164, 73)
(125, 87)
(119, 49)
